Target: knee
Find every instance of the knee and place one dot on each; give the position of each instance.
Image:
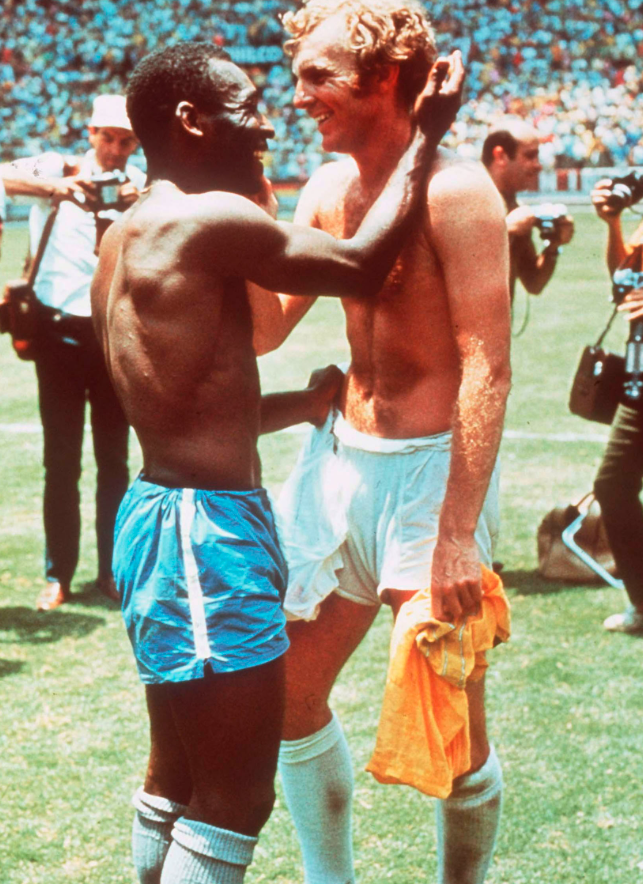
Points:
(260, 807)
(245, 810)
(306, 713)
(62, 468)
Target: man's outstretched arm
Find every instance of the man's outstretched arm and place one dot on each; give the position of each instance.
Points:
(469, 233)
(281, 410)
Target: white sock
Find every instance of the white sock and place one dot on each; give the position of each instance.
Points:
(467, 825)
(317, 778)
(152, 833)
(203, 854)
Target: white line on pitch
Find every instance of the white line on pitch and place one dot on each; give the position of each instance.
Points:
(299, 429)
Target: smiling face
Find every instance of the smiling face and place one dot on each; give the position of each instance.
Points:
(237, 132)
(329, 88)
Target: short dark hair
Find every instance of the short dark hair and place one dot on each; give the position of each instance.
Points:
(500, 138)
(163, 79)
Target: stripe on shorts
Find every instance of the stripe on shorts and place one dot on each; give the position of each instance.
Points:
(195, 593)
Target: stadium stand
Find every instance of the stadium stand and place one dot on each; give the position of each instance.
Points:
(572, 67)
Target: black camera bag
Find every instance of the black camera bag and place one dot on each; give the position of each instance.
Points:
(19, 307)
(597, 387)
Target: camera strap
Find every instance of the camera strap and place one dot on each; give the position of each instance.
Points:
(607, 328)
(42, 245)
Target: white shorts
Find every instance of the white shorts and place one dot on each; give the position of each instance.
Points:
(359, 515)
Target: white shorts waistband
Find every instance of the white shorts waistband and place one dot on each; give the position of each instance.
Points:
(353, 438)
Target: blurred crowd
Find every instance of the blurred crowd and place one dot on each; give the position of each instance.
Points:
(571, 67)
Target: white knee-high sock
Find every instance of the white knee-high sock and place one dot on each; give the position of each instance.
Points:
(203, 854)
(467, 825)
(152, 833)
(317, 778)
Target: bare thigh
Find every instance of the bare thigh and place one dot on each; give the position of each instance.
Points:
(318, 651)
(474, 691)
(214, 744)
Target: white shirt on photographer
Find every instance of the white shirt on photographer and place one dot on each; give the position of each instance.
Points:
(65, 274)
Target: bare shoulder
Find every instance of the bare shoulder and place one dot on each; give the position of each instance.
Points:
(326, 184)
(334, 174)
(467, 228)
(170, 211)
(111, 240)
(456, 185)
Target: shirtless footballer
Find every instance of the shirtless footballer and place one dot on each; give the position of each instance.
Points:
(402, 496)
(197, 560)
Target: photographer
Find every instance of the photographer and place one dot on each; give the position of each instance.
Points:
(69, 364)
(511, 157)
(619, 480)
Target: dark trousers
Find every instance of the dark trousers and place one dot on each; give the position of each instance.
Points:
(71, 370)
(617, 488)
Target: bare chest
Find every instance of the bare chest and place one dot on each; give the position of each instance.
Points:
(415, 281)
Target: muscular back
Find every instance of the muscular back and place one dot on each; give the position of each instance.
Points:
(178, 344)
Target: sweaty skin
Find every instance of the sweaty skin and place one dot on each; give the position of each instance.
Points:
(430, 352)
(177, 334)
(177, 342)
(171, 306)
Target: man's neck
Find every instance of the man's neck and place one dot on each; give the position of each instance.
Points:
(506, 191)
(184, 178)
(189, 179)
(509, 196)
(381, 150)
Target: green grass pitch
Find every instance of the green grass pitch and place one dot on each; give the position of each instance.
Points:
(564, 697)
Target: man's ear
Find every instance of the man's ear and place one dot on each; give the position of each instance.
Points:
(499, 155)
(385, 78)
(188, 117)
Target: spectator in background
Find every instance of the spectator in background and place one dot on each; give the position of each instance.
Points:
(570, 67)
(511, 157)
(69, 364)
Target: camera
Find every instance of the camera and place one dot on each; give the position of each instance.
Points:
(624, 281)
(549, 217)
(107, 186)
(625, 190)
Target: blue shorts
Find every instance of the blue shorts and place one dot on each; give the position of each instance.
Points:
(202, 580)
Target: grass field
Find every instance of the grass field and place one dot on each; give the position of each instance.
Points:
(564, 697)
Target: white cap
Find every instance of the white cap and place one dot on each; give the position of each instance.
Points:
(109, 111)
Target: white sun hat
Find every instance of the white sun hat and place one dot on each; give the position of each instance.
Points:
(109, 111)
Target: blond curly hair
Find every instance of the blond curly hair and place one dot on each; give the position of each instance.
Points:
(379, 32)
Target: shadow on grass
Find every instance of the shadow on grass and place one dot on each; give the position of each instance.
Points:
(531, 583)
(90, 597)
(37, 628)
(10, 667)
